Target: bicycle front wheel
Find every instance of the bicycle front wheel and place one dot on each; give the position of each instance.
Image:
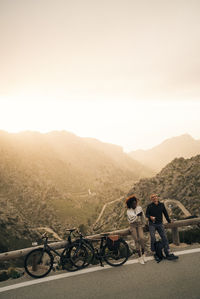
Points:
(90, 251)
(38, 263)
(74, 257)
(118, 255)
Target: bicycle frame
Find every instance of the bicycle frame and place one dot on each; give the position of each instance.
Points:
(49, 248)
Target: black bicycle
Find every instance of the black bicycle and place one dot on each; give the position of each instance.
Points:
(112, 249)
(40, 261)
(80, 242)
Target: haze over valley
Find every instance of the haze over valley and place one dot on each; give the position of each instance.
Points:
(59, 180)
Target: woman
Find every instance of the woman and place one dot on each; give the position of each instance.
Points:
(136, 219)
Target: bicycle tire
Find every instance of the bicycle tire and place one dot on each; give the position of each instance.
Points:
(73, 257)
(38, 263)
(116, 257)
(90, 251)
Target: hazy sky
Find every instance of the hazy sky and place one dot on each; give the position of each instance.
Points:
(125, 72)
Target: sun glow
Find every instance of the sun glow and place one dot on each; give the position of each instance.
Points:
(131, 124)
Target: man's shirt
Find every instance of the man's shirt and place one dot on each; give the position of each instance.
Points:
(157, 211)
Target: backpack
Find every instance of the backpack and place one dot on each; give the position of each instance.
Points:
(159, 253)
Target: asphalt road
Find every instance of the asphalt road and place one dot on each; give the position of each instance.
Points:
(167, 280)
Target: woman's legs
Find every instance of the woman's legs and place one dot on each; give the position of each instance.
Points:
(134, 233)
(141, 237)
(138, 236)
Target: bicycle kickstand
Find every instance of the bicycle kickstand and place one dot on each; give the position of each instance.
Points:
(99, 258)
(101, 263)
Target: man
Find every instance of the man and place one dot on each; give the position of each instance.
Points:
(154, 213)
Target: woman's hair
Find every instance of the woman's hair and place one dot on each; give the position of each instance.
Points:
(130, 200)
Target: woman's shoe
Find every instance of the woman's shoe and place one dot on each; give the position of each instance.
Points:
(141, 261)
(144, 258)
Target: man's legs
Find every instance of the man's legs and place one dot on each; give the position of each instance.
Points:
(152, 232)
(161, 231)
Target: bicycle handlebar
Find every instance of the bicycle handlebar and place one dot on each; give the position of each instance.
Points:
(44, 235)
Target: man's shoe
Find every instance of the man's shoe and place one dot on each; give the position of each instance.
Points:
(171, 257)
(157, 259)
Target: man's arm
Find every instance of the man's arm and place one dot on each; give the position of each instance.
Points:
(166, 214)
(148, 215)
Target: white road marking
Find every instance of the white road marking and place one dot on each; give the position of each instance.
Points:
(83, 271)
(188, 251)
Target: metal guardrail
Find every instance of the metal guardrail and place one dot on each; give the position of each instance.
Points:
(123, 232)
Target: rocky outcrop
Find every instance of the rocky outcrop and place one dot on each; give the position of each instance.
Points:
(179, 180)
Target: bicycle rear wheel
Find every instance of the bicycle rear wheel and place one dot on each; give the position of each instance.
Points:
(90, 251)
(38, 263)
(74, 257)
(118, 256)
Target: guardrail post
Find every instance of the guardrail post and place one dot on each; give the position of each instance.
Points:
(175, 236)
(35, 260)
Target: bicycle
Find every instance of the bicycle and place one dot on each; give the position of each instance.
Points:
(112, 249)
(39, 262)
(80, 242)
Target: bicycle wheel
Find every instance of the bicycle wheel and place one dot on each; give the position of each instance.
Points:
(38, 263)
(73, 257)
(118, 256)
(90, 251)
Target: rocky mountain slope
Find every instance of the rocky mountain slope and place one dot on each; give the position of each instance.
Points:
(58, 180)
(179, 180)
(159, 156)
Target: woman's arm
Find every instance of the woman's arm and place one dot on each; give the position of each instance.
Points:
(131, 216)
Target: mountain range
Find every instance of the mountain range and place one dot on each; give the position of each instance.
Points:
(159, 156)
(58, 180)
